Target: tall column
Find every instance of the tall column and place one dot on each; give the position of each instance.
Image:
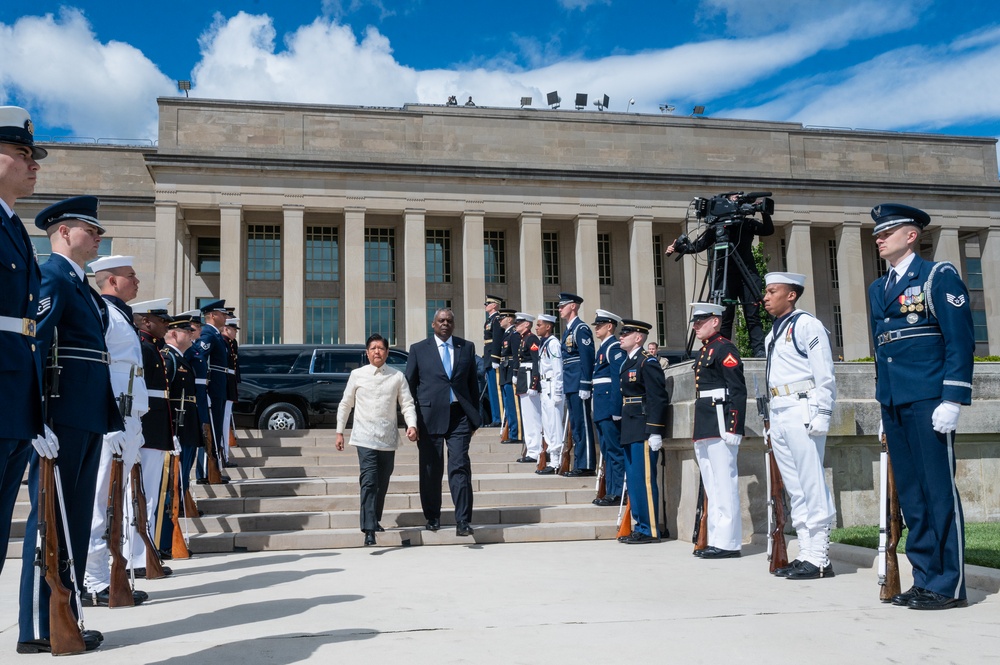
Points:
(473, 272)
(946, 247)
(414, 276)
(231, 248)
(588, 283)
(853, 290)
(640, 254)
(800, 259)
(353, 306)
(293, 242)
(989, 247)
(165, 278)
(530, 226)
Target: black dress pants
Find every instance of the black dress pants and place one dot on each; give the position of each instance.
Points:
(376, 468)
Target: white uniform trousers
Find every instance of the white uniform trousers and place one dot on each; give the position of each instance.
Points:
(554, 428)
(152, 476)
(800, 460)
(717, 461)
(227, 420)
(531, 420)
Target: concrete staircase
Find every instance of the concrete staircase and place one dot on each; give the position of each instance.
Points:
(295, 490)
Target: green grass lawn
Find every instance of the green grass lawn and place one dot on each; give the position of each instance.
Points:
(982, 541)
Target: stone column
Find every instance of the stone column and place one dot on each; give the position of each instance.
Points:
(414, 277)
(353, 306)
(989, 247)
(473, 273)
(800, 259)
(232, 273)
(587, 279)
(640, 254)
(165, 279)
(293, 242)
(946, 247)
(853, 292)
(530, 233)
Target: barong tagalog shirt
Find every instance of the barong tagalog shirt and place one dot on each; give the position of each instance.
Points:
(373, 393)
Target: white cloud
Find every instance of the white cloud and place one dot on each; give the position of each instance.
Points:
(582, 5)
(751, 17)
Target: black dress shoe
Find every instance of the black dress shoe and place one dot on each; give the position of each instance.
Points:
(699, 552)
(784, 570)
(608, 500)
(809, 571)
(929, 600)
(201, 481)
(433, 524)
(547, 471)
(903, 599)
(513, 441)
(580, 473)
(96, 634)
(717, 553)
(379, 528)
(101, 598)
(638, 538)
(140, 573)
(527, 460)
(369, 538)
(463, 529)
(90, 642)
(230, 465)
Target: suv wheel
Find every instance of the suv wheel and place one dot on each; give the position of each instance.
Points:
(281, 416)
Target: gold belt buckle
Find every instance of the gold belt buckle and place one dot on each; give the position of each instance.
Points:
(28, 327)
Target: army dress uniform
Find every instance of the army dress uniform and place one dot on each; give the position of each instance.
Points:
(509, 348)
(578, 371)
(209, 357)
(720, 408)
(552, 400)
(644, 414)
(608, 410)
(528, 385)
(492, 341)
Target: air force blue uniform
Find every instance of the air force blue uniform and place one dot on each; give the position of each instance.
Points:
(578, 371)
(209, 357)
(607, 407)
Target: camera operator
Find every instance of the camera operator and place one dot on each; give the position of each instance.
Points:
(742, 230)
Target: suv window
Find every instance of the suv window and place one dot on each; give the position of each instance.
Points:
(268, 361)
(396, 360)
(329, 361)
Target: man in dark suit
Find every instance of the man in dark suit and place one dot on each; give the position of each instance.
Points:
(441, 372)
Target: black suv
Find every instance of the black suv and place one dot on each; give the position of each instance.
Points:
(297, 386)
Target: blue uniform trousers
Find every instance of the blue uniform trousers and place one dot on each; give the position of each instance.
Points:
(643, 492)
(79, 457)
(581, 423)
(923, 462)
(609, 437)
(493, 387)
(188, 455)
(512, 411)
(13, 458)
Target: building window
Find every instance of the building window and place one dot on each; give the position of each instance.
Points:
(432, 307)
(380, 317)
(263, 321)
(661, 324)
(974, 273)
(658, 260)
(783, 250)
(380, 256)
(838, 327)
(831, 246)
(43, 249)
(209, 256)
(495, 255)
(322, 321)
(604, 258)
(322, 254)
(551, 307)
(438, 256)
(550, 256)
(980, 326)
(880, 265)
(264, 252)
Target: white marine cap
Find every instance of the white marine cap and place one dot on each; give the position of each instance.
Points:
(523, 316)
(111, 262)
(234, 322)
(792, 278)
(154, 307)
(703, 310)
(604, 316)
(548, 318)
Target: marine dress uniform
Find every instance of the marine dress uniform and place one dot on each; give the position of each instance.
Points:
(644, 415)
(509, 348)
(924, 347)
(552, 399)
(528, 385)
(578, 371)
(719, 414)
(802, 390)
(209, 357)
(492, 340)
(608, 410)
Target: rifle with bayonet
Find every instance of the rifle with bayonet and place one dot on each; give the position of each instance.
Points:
(120, 591)
(140, 520)
(777, 551)
(700, 534)
(890, 527)
(211, 451)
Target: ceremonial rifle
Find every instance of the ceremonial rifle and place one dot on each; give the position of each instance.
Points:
(120, 592)
(211, 460)
(154, 569)
(624, 514)
(176, 493)
(777, 552)
(700, 535)
(601, 485)
(890, 527)
(565, 461)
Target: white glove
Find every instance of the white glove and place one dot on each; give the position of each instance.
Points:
(532, 392)
(584, 394)
(208, 398)
(655, 442)
(945, 417)
(116, 440)
(881, 430)
(819, 426)
(558, 398)
(496, 365)
(731, 439)
(616, 418)
(46, 444)
(177, 446)
(133, 428)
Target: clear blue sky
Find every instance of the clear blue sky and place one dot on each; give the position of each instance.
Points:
(92, 68)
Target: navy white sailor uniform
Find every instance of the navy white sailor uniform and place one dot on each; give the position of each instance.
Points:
(924, 347)
(531, 405)
(492, 341)
(644, 412)
(552, 400)
(578, 372)
(84, 410)
(509, 348)
(607, 407)
(209, 357)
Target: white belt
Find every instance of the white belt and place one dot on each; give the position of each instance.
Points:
(155, 395)
(716, 394)
(603, 379)
(527, 364)
(11, 324)
(231, 371)
(125, 366)
(793, 388)
(201, 382)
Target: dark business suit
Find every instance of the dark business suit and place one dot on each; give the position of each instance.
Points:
(441, 421)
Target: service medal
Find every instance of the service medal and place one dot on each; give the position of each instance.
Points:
(912, 308)
(912, 318)
(903, 309)
(920, 308)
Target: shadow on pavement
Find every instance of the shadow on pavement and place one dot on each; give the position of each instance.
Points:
(273, 649)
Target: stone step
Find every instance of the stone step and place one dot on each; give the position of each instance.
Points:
(490, 437)
(317, 456)
(347, 470)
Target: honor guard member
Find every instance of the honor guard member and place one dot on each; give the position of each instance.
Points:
(71, 321)
(151, 319)
(608, 405)
(644, 419)
(924, 345)
(183, 394)
(719, 416)
(20, 281)
(528, 385)
(230, 332)
(578, 370)
(117, 281)
(552, 399)
(209, 356)
(492, 341)
(802, 391)
(509, 347)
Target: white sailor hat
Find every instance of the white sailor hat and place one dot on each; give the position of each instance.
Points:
(793, 278)
(703, 310)
(523, 316)
(604, 316)
(547, 318)
(111, 262)
(155, 307)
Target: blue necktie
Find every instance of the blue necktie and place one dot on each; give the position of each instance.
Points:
(446, 361)
(891, 282)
